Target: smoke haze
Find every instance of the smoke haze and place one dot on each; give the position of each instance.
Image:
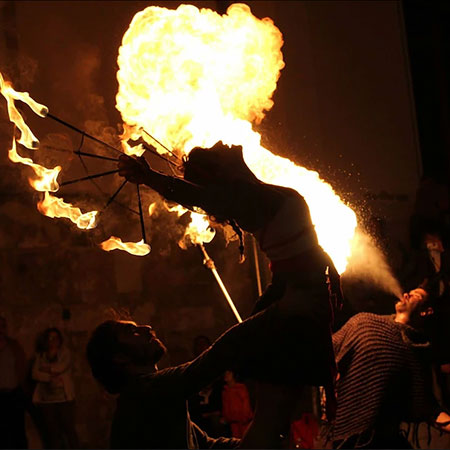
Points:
(368, 263)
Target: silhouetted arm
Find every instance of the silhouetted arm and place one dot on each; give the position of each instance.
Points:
(136, 170)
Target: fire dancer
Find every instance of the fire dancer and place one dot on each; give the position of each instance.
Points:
(385, 376)
(152, 406)
(295, 312)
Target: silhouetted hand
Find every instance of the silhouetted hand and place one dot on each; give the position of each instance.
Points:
(134, 169)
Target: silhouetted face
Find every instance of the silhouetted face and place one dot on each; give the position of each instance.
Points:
(139, 343)
(217, 165)
(202, 167)
(411, 301)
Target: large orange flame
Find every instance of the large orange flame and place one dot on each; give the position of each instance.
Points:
(192, 77)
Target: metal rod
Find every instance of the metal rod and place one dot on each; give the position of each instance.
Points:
(161, 144)
(111, 199)
(209, 263)
(106, 195)
(141, 215)
(77, 152)
(257, 269)
(78, 130)
(158, 155)
(89, 177)
(92, 155)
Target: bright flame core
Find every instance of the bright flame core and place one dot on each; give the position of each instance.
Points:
(191, 78)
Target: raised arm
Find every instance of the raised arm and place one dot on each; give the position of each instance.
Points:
(187, 379)
(136, 170)
(230, 351)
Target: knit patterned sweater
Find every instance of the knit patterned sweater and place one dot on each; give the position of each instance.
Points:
(384, 376)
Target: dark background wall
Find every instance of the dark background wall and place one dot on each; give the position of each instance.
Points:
(344, 107)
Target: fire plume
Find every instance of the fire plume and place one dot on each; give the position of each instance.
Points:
(135, 248)
(192, 77)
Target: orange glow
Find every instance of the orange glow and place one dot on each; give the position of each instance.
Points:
(151, 208)
(135, 248)
(192, 77)
(27, 138)
(198, 230)
(46, 178)
(130, 132)
(56, 207)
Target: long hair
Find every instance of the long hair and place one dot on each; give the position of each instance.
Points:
(219, 165)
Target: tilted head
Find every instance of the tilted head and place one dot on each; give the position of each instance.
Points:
(216, 165)
(120, 349)
(414, 307)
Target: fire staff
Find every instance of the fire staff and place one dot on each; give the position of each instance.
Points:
(287, 342)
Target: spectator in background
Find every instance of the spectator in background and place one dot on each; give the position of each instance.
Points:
(236, 408)
(12, 399)
(436, 272)
(431, 266)
(431, 208)
(54, 392)
(205, 407)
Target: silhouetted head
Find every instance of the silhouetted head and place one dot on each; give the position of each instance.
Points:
(218, 164)
(120, 349)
